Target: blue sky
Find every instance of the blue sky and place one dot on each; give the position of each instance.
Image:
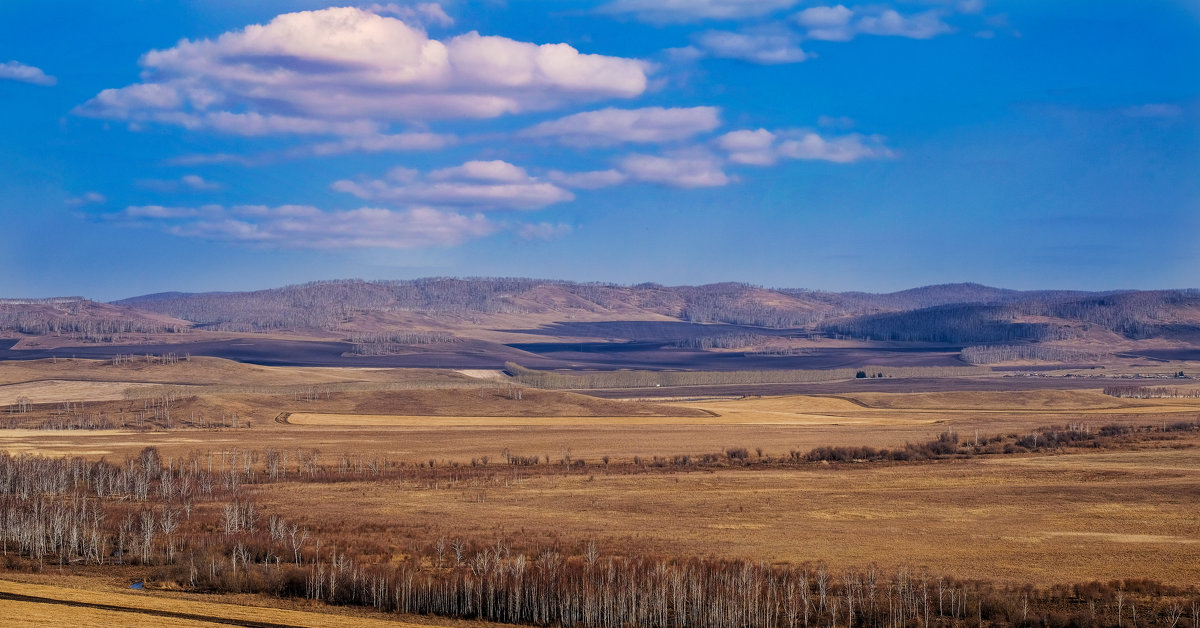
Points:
(223, 145)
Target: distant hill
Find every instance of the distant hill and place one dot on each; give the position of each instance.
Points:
(538, 320)
(963, 313)
(1035, 317)
(82, 319)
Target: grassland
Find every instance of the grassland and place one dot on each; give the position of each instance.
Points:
(1037, 518)
(94, 602)
(1046, 520)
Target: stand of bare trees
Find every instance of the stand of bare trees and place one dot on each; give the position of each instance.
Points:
(77, 318)
(992, 354)
(195, 524)
(391, 344)
(1151, 392)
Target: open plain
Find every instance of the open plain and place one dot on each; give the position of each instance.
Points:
(394, 466)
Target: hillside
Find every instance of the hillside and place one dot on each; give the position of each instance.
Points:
(82, 319)
(485, 322)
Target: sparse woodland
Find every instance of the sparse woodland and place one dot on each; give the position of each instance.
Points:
(653, 379)
(196, 523)
(76, 318)
(994, 354)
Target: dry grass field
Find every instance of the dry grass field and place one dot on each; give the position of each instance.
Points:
(1041, 518)
(457, 425)
(94, 602)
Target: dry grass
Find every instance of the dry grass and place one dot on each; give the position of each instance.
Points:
(207, 371)
(49, 605)
(1037, 519)
(458, 425)
(58, 390)
(1046, 520)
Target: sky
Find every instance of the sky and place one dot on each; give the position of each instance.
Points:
(150, 146)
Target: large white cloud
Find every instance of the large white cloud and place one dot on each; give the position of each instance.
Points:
(476, 184)
(17, 71)
(761, 147)
(307, 227)
(608, 127)
(695, 10)
(349, 71)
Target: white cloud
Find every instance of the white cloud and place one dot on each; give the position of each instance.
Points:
(348, 71)
(755, 148)
(87, 198)
(919, 26)
(25, 73)
(761, 147)
(685, 170)
(838, 23)
(161, 212)
(476, 184)
(845, 149)
(544, 231)
(827, 23)
(608, 127)
(767, 48)
(394, 142)
(694, 10)
(496, 170)
(421, 13)
(306, 227)
(590, 180)
(188, 182)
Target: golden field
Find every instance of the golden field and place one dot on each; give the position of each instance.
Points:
(1027, 518)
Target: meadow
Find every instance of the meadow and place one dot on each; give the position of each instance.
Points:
(444, 479)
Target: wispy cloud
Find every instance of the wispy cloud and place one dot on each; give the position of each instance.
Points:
(767, 48)
(352, 72)
(482, 185)
(760, 147)
(186, 183)
(87, 198)
(307, 227)
(684, 169)
(590, 180)
(839, 23)
(425, 13)
(16, 71)
(608, 127)
(665, 11)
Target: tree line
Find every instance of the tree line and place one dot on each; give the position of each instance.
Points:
(196, 525)
(993, 354)
(653, 379)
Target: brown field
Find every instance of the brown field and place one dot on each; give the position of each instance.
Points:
(90, 602)
(1044, 520)
(1039, 519)
(457, 425)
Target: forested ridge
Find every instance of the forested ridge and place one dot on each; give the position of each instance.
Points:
(953, 313)
(81, 319)
(963, 314)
